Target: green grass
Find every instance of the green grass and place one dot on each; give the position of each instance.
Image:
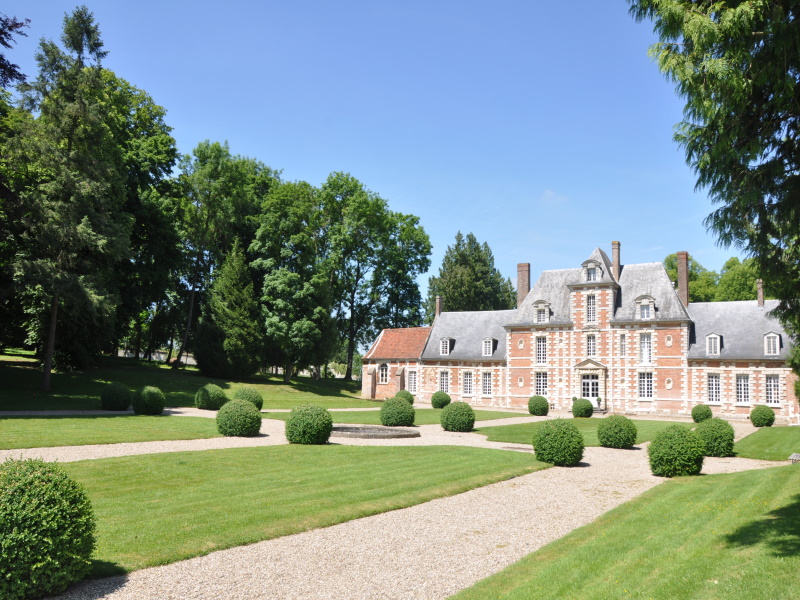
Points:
(22, 380)
(770, 443)
(26, 432)
(523, 434)
(724, 537)
(156, 509)
(422, 416)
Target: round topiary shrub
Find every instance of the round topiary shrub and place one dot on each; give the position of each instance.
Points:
(582, 408)
(250, 394)
(115, 396)
(405, 395)
(47, 530)
(396, 412)
(210, 397)
(310, 424)
(717, 436)
(558, 442)
(239, 418)
(538, 406)
(676, 451)
(701, 412)
(440, 399)
(616, 431)
(458, 416)
(762, 416)
(149, 401)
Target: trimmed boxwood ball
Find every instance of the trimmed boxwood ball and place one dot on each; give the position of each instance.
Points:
(717, 436)
(558, 442)
(676, 451)
(47, 529)
(440, 399)
(616, 431)
(311, 424)
(239, 418)
(701, 412)
(149, 401)
(762, 416)
(405, 395)
(396, 412)
(252, 395)
(210, 397)
(458, 416)
(582, 408)
(115, 396)
(538, 406)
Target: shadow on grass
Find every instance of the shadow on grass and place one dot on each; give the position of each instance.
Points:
(104, 568)
(778, 530)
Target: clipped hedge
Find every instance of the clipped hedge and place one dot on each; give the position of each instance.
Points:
(538, 406)
(47, 529)
(616, 431)
(701, 412)
(762, 416)
(717, 436)
(405, 395)
(458, 416)
(251, 395)
(676, 451)
(239, 418)
(558, 442)
(149, 401)
(210, 397)
(440, 399)
(309, 424)
(115, 396)
(582, 408)
(396, 412)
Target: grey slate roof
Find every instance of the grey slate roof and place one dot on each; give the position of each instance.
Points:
(648, 279)
(741, 326)
(551, 287)
(601, 257)
(468, 330)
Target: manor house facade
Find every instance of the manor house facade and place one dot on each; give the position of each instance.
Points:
(621, 333)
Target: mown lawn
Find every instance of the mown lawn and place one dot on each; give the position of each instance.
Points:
(157, 509)
(725, 537)
(770, 443)
(422, 416)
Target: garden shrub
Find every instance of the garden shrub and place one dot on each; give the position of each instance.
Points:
(252, 395)
(458, 416)
(717, 437)
(538, 406)
(210, 397)
(558, 442)
(616, 431)
(47, 530)
(582, 408)
(239, 418)
(676, 451)
(701, 412)
(440, 399)
(115, 396)
(405, 395)
(149, 401)
(598, 401)
(310, 424)
(762, 416)
(396, 412)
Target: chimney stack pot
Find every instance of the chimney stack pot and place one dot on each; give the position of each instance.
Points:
(523, 282)
(683, 277)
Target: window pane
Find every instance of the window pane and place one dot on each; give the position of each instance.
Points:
(412, 382)
(444, 381)
(743, 389)
(541, 384)
(590, 309)
(623, 350)
(541, 350)
(486, 383)
(645, 385)
(645, 348)
(772, 389)
(713, 387)
(590, 345)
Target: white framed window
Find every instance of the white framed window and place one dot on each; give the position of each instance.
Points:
(466, 383)
(743, 389)
(713, 387)
(444, 347)
(623, 347)
(772, 388)
(488, 347)
(644, 312)
(412, 382)
(541, 315)
(771, 344)
(444, 381)
(591, 274)
(645, 348)
(383, 373)
(591, 344)
(486, 383)
(645, 385)
(541, 350)
(712, 345)
(541, 384)
(591, 304)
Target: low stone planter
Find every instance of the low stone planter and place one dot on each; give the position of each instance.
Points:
(373, 432)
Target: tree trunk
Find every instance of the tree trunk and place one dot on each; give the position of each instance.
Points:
(51, 344)
(287, 373)
(138, 339)
(351, 348)
(171, 343)
(182, 348)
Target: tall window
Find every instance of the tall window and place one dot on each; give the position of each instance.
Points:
(713, 388)
(444, 347)
(412, 382)
(541, 350)
(541, 315)
(488, 347)
(541, 384)
(771, 345)
(383, 373)
(772, 390)
(591, 316)
(591, 345)
(591, 274)
(623, 348)
(645, 385)
(444, 381)
(466, 380)
(645, 349)
(644, 311)
(486, 383)
(743, 389)
(712, 345)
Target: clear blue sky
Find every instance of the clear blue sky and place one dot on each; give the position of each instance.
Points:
(541, 127)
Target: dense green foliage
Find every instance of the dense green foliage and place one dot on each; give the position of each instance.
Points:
(701, 412)
(46, 528)
(405, 395)
(440, 399)
(149, 401)
(458, 416)
(558, 442)
(717, 436)
(310, 424)
(239, 418)
(538, 406)
(396, 412)
(582, 408)
(616, 431)
(422, 416)
(676, 451)
(210, 397)
(251, 394)
(115, 396)
(762, 416)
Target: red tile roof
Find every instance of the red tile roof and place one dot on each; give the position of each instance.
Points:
(407, 343)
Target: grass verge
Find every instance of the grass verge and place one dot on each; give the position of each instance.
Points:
(770, 443)
(422, 416)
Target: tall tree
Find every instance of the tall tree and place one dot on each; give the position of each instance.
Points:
(702, 282)
(737, 280)
(468, 280)
(10, 27)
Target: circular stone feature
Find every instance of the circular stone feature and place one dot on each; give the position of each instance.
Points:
(373, 432)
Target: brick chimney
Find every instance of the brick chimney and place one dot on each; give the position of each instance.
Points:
(523, 282)
(615, 266)
(683, 277)
(438, 306)
(760, 290)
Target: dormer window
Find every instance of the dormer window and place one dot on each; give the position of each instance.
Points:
(542, 311)
(712, 344)
(488, 346)
(541, 315)
(772, 344)
(444, 347)
(591, 274)
(645, 308)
